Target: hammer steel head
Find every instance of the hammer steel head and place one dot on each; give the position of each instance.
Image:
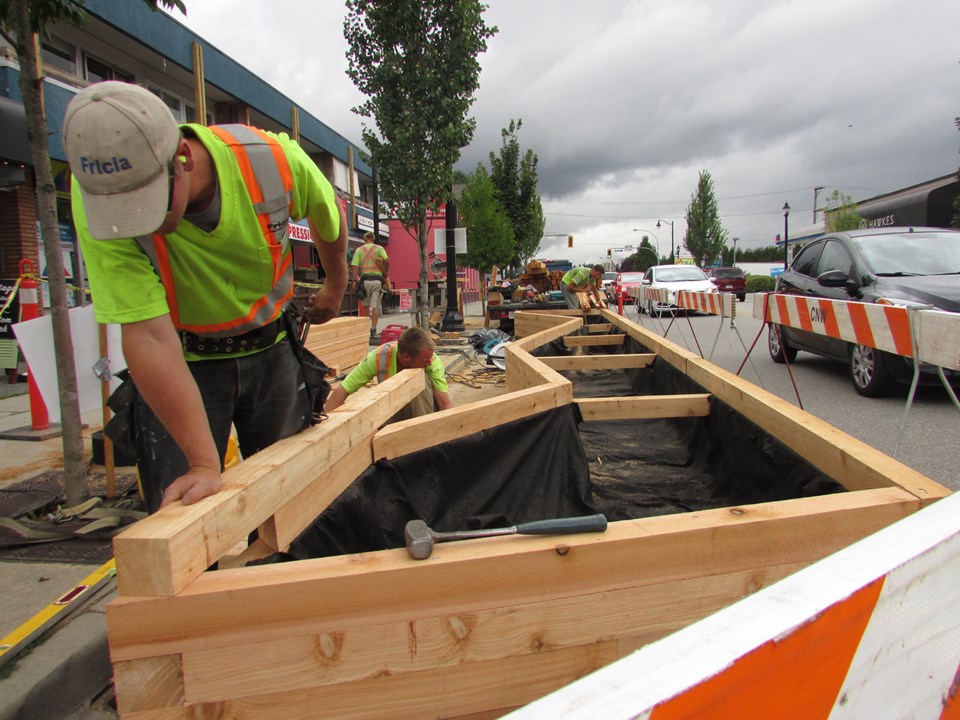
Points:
(419, 539)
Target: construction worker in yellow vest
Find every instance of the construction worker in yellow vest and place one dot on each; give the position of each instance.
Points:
(185, 240)
(581, 279)
(414, 349)
(371, 266)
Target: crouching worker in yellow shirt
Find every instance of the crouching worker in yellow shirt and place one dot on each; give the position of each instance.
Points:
(414, 349)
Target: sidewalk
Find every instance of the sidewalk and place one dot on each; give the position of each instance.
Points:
(63, 674)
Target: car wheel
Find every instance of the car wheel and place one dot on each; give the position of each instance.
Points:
(868, 371)
(780, 351)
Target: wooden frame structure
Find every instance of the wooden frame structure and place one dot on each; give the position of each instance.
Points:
(482, 626)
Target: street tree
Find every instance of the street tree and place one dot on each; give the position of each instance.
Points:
(515, 179)
(705, 237)
(840, 213)
(416, 63)
(644, 257)
(21, 21)
(488, 227)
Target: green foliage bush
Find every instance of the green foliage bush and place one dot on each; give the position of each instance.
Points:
(759, 283)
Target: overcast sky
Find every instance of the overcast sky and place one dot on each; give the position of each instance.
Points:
(626, 102)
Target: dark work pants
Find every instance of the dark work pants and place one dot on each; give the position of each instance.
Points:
(263, 395)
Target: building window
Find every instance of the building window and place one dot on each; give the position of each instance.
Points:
(59, 54)
(98, 71)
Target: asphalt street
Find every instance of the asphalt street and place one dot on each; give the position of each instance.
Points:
(931, 439)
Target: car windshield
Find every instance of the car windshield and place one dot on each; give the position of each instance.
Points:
(680, 273)
(728, 273)
(609, 276)
(631, 277)
(922, 253)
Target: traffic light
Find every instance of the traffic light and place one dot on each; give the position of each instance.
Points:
(609, 252)
(569, 241)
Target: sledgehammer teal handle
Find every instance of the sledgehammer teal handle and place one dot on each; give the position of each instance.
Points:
(559, 526)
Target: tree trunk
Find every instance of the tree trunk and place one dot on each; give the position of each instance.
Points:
(31, 86)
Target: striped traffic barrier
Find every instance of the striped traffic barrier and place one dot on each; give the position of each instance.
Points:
(869, 632)
(924, 334)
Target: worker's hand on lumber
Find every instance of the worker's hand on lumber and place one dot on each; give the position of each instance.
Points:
(198, 483)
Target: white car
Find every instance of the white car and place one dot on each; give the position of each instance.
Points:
(674, 278)
(606, 283)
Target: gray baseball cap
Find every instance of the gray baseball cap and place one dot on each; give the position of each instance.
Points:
(119, 139)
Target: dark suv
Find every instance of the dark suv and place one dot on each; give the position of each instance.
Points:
(729, 280)
(904, 266)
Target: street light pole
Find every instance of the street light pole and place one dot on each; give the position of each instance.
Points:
(735, 251)
(786, 236)
(655, 239)
(670, 222)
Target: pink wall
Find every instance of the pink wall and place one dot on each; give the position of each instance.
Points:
(404, 257)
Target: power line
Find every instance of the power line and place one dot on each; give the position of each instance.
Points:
(673, 202)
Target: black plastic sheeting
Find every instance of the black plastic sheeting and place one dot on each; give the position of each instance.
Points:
(554, 465)
(528, 469)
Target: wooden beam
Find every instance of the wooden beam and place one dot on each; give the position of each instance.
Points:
(261, 603)
(163, 553)
(511, 682)
(148, 683)
(599, 327)
(593, 340)
(524, 370)
(644, 407)
(409, 436)
(599, 362)
(665, 349)
(562, 327)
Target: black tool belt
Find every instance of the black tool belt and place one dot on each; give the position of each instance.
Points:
(254, 340)
(371, 276)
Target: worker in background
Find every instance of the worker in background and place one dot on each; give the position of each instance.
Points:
(198, 275)
(414, 349)
(581, 279)
(371, 266)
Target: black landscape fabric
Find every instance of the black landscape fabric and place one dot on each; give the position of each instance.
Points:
(555, 465)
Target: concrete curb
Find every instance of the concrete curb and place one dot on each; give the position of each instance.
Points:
(65, 671)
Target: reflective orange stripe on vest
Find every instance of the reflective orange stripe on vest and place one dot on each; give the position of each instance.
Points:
(267, 176)
(384, 355)
(368, 265)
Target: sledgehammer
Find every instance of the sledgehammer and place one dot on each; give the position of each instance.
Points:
(421, 539)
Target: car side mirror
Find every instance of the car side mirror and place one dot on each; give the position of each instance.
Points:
(645, 281)
(836, 279)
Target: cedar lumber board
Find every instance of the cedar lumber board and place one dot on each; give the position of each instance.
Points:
(288, 521)
(337, 327)
(644, 407)
(409, 436)
(164, 552)
(148, 683)
(599, 327)
(252, 604)
(524, 370)
(466, 688)
(593, 340)
(531, 322)
(599, 362)
(560, 325)
(361, 650)
(665, 349)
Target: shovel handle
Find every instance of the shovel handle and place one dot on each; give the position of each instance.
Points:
(559, 526)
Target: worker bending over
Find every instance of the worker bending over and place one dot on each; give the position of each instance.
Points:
(581, 279)
(414, 349)
(184, 235)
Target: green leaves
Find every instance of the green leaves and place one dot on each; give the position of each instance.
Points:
(705, 237)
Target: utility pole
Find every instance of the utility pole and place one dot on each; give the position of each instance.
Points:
(816, 191)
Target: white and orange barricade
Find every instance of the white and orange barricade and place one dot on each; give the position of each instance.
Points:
(869, 632)
(924, 334)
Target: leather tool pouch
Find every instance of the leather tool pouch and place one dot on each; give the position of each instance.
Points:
(315, 371)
